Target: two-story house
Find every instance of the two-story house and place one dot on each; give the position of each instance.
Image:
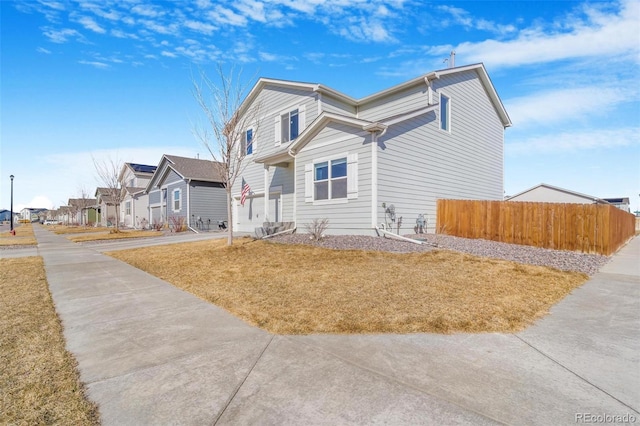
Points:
(134, 209)
(320, 153)
(187, 188)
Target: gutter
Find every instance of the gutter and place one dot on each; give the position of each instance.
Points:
(391, 234)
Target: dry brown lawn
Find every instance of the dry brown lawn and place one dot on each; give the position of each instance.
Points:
(109, 235)
(39, 383)
(24, 236)
(63, 229)
(296, 289)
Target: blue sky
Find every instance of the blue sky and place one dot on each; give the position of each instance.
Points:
(112, 78)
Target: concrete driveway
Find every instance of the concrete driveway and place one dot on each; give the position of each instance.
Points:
(152, 354)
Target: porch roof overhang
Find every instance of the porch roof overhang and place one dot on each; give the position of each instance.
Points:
(280, 157)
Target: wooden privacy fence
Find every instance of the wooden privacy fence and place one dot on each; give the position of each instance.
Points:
(589, 228)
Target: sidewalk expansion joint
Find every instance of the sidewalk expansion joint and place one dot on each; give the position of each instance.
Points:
(584, 379)
(398, 381)
(237, 389)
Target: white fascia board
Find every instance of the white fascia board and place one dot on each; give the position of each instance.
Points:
(318, 124)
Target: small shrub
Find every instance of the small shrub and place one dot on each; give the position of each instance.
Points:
(317, 227)
(178, 223)
(157, 225)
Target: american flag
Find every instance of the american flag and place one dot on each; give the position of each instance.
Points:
(245, 192)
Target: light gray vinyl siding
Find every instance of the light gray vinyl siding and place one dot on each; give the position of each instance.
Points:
(208, 201)
(419, 163)
(154, 197)
(173, 185)
(398, 103)
(284, 177)
(354, 215)
(273, 101)
(330, 104)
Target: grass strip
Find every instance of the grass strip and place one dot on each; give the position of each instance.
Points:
(114, 236)
(24, 236)
(39, 383)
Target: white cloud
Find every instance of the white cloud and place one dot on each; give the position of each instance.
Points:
(95, 64)
(574, 141)
(168, 54)
(61, 36)
(90, 24)
(43, 50)
(222, 15)
(597, 34)
(201, 27)
(37, 202)
(147, 10)
(551, 107)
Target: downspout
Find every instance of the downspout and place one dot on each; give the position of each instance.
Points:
(189, 206)
(266, 192)
(400, 237)
(374, 179)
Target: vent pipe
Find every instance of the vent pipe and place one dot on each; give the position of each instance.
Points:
(452, 59)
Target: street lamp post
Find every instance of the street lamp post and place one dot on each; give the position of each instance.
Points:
(11, 213)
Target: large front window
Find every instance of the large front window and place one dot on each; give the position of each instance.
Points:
(330, 179)
(289, 126)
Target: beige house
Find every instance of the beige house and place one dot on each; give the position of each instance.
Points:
(545, 193)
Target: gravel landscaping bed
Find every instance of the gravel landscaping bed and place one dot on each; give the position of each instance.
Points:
(563, 260)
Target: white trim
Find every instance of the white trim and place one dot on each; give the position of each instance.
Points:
(266, 188)
(189, 203)
(374, 179)
(173, 200)
(310, 179)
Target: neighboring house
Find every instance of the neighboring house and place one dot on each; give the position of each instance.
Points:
(105, 207)
(5, 215)
(82, 211)
(319, 153)
(187, 188)
(545, 193)
(134, 209)
(33, 214)
(621, 203)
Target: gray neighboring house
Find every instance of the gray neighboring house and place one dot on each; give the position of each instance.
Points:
(190, 188)
(545, 193)
(105, 207)
(318, 153)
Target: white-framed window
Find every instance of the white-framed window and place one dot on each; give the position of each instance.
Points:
(247, 145)
(445, 112)
(176, 200)
(127, 207)
(289, 124)
(332, 180)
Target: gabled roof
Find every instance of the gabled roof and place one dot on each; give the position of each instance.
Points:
(188, 169)
(137, 169)
(423, 79)
(566, 191)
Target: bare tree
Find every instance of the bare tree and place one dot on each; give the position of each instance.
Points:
(228, 120)
(108, 171)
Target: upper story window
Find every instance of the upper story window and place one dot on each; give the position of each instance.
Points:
(289, 124)
(127, 208)
(247, 142)
(445, 112)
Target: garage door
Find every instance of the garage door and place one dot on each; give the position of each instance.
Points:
(251, 215)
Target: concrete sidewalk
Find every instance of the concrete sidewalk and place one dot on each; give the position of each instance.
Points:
(153, 354)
